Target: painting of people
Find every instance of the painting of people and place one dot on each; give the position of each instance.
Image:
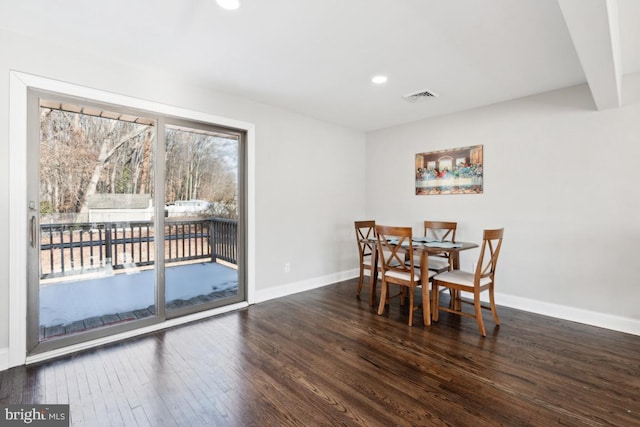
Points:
(452, 171)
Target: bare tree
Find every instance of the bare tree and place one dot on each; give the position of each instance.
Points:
(82, 155)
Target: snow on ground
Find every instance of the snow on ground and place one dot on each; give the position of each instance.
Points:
(66, 302)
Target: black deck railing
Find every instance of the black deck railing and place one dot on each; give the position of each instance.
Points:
(69, 248)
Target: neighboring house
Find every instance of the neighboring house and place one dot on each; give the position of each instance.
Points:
(120, 207)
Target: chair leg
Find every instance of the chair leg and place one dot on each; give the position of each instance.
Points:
(360, 280)
(384, 294)
(478, 307)
(387, 296)
(455, 303)
(494, 311)
(411, 301)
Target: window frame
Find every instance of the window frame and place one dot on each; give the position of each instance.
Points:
(21, 86)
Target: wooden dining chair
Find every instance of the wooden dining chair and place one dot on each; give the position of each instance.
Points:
(394, 245)
(365, 231)
(442, 231)
(482, 279)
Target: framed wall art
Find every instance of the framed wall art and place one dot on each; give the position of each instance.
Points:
(452, 171)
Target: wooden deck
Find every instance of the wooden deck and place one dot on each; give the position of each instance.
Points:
(324, 358)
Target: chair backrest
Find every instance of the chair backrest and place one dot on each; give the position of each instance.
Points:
(365, 233)
(440, 230)
(489, 252)
(395, 247)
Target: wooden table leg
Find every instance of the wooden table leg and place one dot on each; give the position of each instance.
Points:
(426, 304)
(373, 277)
(454, 257)
(426, 301)
(455, 295)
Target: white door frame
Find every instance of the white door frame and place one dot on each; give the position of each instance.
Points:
(20, 83)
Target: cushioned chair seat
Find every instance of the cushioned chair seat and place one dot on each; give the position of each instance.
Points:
(461, 278)
(406, 276)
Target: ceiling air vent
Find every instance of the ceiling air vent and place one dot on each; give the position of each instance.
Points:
(423, 94)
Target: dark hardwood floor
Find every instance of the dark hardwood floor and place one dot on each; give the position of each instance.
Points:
(324, 358)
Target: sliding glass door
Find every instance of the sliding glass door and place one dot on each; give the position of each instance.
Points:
(119, 239)
(201, 223)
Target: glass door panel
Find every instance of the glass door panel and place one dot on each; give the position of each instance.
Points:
(118, 241)
(96, 212)
(201, 218)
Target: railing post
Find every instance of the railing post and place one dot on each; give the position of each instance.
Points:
(212, 240)
(107, 242)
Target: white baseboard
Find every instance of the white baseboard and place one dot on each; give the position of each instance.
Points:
(592, 318)
(4, 359)
(304, 285)
(564, 312)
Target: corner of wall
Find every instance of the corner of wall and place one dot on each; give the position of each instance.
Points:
(4, 359)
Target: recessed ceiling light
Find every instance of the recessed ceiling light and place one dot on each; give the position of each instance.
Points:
(229, 4)
(379, 79)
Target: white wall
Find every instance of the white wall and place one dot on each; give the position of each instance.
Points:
(309, 174)
(559, 176)
(562, 178)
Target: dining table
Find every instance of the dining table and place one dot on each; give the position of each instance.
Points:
(424, 247)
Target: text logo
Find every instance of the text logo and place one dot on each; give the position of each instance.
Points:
(34, 415)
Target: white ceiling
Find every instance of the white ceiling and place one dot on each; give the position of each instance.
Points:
(317, 57)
